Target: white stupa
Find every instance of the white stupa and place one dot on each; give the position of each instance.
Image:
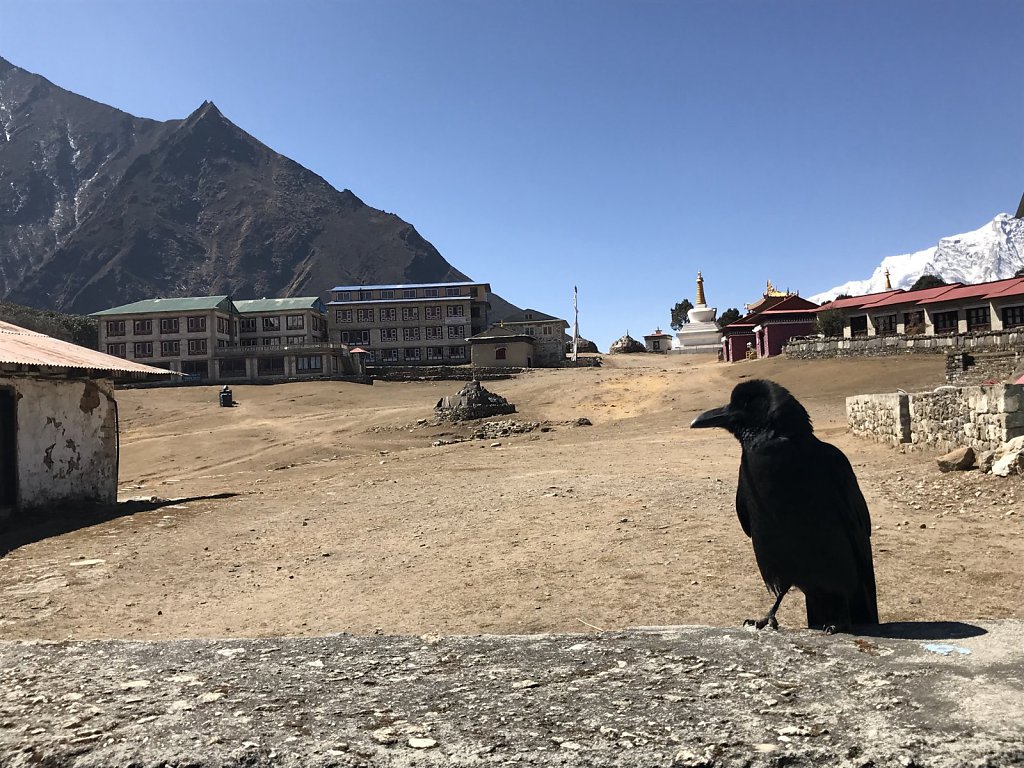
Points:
(701, 334)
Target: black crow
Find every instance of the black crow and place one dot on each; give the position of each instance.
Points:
(799, 502)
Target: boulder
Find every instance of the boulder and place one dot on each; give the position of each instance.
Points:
(958, 459)
(985, 461)
(1009, 464)
(626, 345)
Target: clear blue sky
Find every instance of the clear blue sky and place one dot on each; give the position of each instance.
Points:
(620, 146)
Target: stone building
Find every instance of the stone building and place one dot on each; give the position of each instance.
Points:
(547, 331)
(502, 346)
(58, 421)
(423, 323)
(659, 341)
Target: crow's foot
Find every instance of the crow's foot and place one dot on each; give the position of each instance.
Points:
(767, 621)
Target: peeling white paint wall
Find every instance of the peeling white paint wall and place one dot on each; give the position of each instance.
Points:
(66, 441)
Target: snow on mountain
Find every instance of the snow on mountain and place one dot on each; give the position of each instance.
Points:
(992, 252)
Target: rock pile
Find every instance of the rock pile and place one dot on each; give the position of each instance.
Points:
(1004, 461)
(472, 402)
(626, 345)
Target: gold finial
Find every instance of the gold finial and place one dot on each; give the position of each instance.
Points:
(769, 289)
(700, 291)
(888, 285)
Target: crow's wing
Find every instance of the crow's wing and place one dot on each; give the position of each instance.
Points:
(744, 489)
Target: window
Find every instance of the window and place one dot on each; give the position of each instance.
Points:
(456, 331)
(456, 353)
(411, 354)
(365, 295)
(656, 345)
(143, 349)
(389, 315)
(295, 322)
(343, 316)
(410, 334)
(547, 330)
(433, 313)
(435, 332)
(142, 327)
(196, 325)
(355, 337)
(247, 325)
(410, 313)
(434, 353)
(364, 315)
(913, 323)
(343, 295)
(978, 319)
(389, 334)
(295, 340)
(409, 293)
(270, 366)
(310, 364)
(271, 323)
(1013, 317)
(456, 310)
(271, 341)
(117, 350)
(115, 327)
(388, 294)
(233, 368)
(170, 348)
(223, 325)
(501, 353)
(859, 325)
(946, 322)
(452, 291)
(530, 331)
(197, 346)
(431, 293)
(389, 355)
(169, 325)
(248, 342)
(885, 325)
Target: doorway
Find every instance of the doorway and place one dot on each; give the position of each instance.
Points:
(8, 448)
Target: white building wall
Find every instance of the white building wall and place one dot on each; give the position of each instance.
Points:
(66, 440)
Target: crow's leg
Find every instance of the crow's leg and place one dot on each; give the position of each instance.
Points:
(769, 620)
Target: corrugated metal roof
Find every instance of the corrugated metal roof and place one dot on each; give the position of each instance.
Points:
(909, 297)
(855, 302)
(278, 305)
(975, 291)
(20, 346)
(402, 285)
(181, 304)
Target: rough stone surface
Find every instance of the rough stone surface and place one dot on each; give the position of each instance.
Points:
(940, 695)
(815, 347)
(958, 459)
(472, 402)
(626, 345)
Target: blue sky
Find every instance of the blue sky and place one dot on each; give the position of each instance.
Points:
(618, 146)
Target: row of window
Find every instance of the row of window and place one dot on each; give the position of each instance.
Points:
(978, 320)
(430, 333)
(272, 341)
(403, 293)
(416, 354)
(291, 323)
(265, 366)
(198, 325)
(142, 349)
(390, 314)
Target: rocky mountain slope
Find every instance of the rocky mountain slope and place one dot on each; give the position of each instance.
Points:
(991, 252)
(98, 208)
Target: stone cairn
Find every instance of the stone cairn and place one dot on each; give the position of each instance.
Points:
(472, 402)
(627, 344)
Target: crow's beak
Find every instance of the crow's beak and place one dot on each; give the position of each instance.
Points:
(716, 417)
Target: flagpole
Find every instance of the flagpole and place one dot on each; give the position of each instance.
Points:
(575, 325)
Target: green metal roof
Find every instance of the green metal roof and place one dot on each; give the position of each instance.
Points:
(280, 305)
(182, 304)
(527, 316)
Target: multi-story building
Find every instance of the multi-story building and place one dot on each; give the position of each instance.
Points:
(213, 338)
(548, 334)
(426, 323)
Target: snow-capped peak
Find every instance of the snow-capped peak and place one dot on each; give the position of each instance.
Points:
(992, 252)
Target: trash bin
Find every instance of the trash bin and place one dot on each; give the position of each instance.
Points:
(226, 399)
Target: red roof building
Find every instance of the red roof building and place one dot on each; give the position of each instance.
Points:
(768, 325)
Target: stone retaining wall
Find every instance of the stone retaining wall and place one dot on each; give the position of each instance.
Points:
(814, 347)
(982, 417)
(440, 373)
(966, 369)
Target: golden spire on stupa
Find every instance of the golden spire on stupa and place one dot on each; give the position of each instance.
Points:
(888, 285)
(700, 290)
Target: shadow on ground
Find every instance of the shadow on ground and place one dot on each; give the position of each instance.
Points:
(923, 630)
(15, 533)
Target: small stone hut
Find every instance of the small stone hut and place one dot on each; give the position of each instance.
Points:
(58, 421)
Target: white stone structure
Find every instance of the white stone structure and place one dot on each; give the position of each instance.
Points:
(701, 333)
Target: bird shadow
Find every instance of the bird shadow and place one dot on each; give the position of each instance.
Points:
(923, 630)
(39, 524)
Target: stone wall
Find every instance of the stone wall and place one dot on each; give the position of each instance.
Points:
(814, 347)
(440, 372)
(982, 417)
(965, 368)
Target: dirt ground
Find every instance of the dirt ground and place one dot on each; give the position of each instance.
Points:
(323, 507)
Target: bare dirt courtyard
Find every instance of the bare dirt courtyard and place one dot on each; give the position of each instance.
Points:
(323, 507)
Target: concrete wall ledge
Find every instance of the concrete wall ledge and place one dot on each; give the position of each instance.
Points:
(932, 695)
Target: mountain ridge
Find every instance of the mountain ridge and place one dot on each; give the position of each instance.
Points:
(994, 251)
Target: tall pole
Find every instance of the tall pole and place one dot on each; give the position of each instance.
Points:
(575, 325)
